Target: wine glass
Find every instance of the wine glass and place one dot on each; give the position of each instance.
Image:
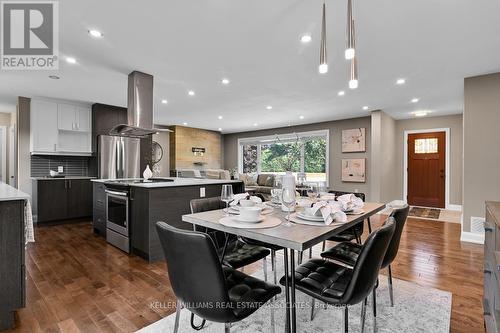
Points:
(313, 192)
(227, 196)
(288, 200)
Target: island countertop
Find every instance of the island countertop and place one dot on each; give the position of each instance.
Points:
(175, 183)
(9, 193)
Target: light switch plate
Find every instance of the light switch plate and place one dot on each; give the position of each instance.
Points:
(202, 192)
(60, 168)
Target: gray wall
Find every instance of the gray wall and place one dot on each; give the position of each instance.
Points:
(455, 123)
(335, 129)
(23, 139)
(481, 140)
(383, 184)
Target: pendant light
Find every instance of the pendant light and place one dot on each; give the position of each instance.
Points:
(353, 82)
(350, 51)
(323, 65)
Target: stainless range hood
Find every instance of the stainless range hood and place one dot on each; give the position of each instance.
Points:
(139, 108)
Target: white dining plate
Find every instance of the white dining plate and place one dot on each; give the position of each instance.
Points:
(269, 222)
(265, 210)
(240, 219)
(310, 217)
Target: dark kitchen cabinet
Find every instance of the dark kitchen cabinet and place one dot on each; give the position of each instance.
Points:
(104, 118)
(62, 199)
(99, 209)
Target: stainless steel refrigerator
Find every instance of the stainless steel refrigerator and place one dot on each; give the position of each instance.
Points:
(119, 157)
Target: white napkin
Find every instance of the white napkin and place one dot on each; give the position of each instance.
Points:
(331, 211)
(238, 197)
(350, 201)
(255, 199)
(28, 223)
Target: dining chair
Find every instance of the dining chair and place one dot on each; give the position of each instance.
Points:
(204, 287)
(234, 252)
(348, 253)
(343, 286)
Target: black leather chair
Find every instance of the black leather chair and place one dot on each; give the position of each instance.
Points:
(343, 286)
(234, 252)
(198, 278)
(348, 252)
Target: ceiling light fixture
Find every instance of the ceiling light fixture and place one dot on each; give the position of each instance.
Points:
(54, 77)
(421, 113)
(401, 81)
(225, 81)
(70, 60)
(164, 101)
(415, 100)
(185, 124)
(220, 129)
(95, 33)
(301, 117)
(341, 93)
(305, 38)
(365, 108)
(353, 82)
(323, 65)
(350, 51)
(269, 107)
(255, 124)
(220, 117)
(191, 93)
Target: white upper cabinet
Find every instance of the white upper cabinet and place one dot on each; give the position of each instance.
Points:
(60, 128)
(44, 131)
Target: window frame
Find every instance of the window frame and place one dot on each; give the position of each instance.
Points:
(259, 140)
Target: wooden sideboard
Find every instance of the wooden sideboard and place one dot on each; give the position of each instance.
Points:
(491, 300)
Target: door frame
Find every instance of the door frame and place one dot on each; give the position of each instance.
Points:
(447, 162)
(5, 155)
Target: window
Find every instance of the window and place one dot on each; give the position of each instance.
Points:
(426, 146)
(297, 152)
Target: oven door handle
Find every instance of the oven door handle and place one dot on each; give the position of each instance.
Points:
(121, 194)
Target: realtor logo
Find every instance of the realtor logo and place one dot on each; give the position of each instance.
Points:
(29, 35)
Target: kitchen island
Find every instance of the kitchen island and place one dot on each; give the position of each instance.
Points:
(12, 254)
(166, 199)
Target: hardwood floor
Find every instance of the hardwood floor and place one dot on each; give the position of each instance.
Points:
(79, 283)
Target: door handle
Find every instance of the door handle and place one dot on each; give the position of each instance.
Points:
(69, 183)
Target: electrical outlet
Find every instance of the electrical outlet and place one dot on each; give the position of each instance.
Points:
(202, 192)
(356, 190)
(60, 169)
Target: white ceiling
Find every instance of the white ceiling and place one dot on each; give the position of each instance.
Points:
(194, 44)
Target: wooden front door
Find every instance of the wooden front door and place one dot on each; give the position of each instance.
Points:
(426, 169)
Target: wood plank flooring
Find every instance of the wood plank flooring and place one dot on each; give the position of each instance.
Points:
(79, 283)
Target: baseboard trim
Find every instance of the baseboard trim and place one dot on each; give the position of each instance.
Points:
(472, 237)
(455, 207)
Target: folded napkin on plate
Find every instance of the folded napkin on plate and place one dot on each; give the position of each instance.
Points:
(304, 202)
(350, 201)
(255, 199)
(327, 197)
(331, 211)
(238, 197)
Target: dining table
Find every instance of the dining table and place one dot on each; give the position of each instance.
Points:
(292, 238)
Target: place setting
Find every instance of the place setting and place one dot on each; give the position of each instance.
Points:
(245, 211)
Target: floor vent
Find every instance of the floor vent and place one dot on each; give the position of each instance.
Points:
(477, 224)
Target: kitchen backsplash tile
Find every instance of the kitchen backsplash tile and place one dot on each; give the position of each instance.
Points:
(73, 165)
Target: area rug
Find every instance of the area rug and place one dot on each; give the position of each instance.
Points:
(427, 213)
(416, 309)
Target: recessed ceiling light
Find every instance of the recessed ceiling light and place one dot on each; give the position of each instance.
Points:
(54, 77)
(220, 117)
(365, 107)
(401, 81)
(269, 107)
(220, 129)
(301, 117)
(255, 124)
(191, 93)
(421, 113)
(341, 93)
(95, 33)
(164, 101)
(185, 124)
(225, 81)
(415, 100)
(70, 60)
(305, 38)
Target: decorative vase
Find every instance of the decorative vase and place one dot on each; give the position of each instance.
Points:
(147, 173)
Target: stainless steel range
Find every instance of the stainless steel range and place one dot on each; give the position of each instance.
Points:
(118, 210)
